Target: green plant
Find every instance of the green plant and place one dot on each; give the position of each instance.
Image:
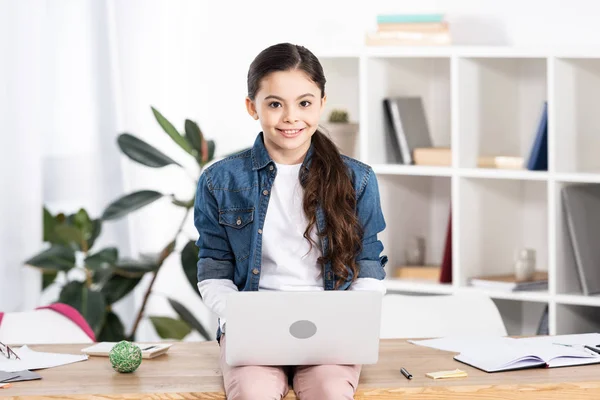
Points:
(95, 279)
(339, 116)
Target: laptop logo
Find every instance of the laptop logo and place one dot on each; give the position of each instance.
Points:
(303, 329)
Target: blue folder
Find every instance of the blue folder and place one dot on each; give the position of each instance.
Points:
(538, 158)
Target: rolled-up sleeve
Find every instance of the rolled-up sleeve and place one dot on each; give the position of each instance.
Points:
(370, 259)
(215, 257)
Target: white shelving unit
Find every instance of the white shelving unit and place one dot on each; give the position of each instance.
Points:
(482, 101)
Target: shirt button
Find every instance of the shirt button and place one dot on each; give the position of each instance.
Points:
(239, 221)
(260, 231)
(265, 192)
(271, 168)
(255, 271)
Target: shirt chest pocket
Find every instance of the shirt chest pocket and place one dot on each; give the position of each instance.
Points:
(238, 225)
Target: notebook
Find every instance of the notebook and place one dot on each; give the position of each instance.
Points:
(513, 354)
(149, 350)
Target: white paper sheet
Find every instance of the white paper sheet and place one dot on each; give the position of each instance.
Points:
(32, 360)
(461, 344)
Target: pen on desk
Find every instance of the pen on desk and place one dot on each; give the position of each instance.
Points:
(592, 349)
(406, 373)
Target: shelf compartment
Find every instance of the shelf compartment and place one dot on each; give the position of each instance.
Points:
(342, 90)
(425, 77)
(567, 273)
(522, 318)
(498, 217)
(414, 206)
(575, 114)
(571, 319)
(500, 101)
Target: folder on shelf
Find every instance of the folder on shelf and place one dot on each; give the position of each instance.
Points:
(446, 268)
(538, 158)
(407, 126)
(581, 204)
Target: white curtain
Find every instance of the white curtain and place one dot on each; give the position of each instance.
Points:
(76, 74)
(22, 118)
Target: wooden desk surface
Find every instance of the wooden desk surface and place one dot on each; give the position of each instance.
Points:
(190, 371)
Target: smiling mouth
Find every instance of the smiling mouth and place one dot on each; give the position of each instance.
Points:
(290, 132)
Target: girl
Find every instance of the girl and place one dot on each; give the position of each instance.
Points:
(291, 213)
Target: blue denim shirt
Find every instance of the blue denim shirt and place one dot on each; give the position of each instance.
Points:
(230, 209)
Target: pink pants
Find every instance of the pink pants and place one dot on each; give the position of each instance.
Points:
(318, 382)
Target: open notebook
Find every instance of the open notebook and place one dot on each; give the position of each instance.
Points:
(528, 353)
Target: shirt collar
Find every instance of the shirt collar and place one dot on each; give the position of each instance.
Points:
(261, 158)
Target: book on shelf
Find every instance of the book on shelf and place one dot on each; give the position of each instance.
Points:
(446, 269)
(407, 127)
(422, 18)
(418, 272)
(500, 162)
(409, 29)
(433, 156)
(412, 27)
(509, 283)
(538, 158)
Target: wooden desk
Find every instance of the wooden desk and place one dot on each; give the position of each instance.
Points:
(190, 371)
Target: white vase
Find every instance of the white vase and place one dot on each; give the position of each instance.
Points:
(344, 135)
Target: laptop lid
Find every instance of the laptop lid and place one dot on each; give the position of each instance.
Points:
(303, 328)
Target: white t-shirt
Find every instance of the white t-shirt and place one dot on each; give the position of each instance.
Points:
(287, 261)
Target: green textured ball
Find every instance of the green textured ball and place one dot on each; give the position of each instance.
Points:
(125, 356)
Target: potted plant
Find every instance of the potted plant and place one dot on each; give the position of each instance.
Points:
(343, 132)
(93, 279)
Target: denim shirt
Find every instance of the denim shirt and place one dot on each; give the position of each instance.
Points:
(230, 209)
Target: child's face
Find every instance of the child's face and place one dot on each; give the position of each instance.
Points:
(288, 105)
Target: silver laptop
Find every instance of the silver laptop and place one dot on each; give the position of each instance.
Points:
(303, 328)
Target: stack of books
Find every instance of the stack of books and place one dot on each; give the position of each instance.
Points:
(410, 29)
(509, 283)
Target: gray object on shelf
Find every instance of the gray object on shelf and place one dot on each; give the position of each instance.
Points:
(407, 126)
(581, 204)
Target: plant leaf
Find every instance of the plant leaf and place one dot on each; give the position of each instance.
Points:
(95, 232)
(170, 328)
(189, 318)
(101, 258)
(194, 136)
(189, 263)
(56, 258)
(183, 203)
(48, 278)
(172, 132)
(130, 202)
(142, 152)
(127, 267)
(118, 287)
(89, 303)
(82, 221)
(70, 235)
(49, 225)
(112, 330)
(211, 150)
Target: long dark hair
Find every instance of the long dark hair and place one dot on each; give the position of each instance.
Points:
(328, 182)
